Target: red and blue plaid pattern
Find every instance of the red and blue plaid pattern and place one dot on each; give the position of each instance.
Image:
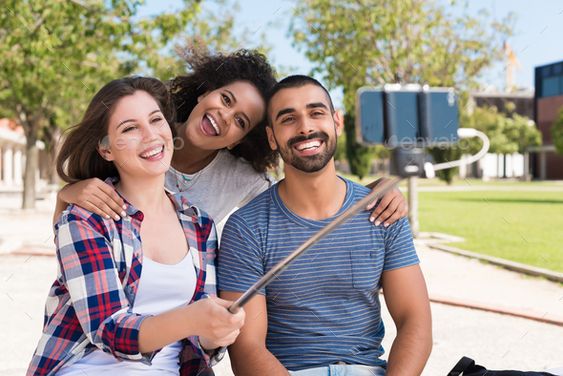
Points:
(100, 262)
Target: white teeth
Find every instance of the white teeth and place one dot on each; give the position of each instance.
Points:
(309, 145)
(213, 124)
(152, 152)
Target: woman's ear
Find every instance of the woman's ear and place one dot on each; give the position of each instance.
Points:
(104, 149)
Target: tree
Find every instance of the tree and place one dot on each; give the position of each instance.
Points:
(508, 134)
(557, 132)
(359, 157)
(446, 154)
(372, 42)
(55, 55)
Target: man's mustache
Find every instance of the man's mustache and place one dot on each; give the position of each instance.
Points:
(320, 135)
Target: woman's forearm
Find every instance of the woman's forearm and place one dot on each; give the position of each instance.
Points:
(166, 328)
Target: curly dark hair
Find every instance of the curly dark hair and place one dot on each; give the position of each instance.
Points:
(210, 72)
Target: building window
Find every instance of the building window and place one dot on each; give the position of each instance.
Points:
(551, 86)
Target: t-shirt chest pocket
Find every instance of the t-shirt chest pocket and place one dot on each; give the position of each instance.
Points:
(366, 266)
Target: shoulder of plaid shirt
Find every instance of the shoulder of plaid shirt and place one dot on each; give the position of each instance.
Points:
(100, 263)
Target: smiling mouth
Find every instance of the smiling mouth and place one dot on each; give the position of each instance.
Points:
(308, 145)
(210, 126)
(153, 153)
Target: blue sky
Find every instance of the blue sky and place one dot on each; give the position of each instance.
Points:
(538, 35)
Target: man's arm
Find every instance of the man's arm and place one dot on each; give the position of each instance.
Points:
(407, 300)
(249, 355)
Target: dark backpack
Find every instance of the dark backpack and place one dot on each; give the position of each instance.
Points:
(467, 367)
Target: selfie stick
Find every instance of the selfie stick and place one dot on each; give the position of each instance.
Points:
(379, 190)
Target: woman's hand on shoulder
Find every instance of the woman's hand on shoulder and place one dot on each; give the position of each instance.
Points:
(96, 196)
(389, 209)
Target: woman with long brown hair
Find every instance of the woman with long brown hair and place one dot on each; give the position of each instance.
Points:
(132, 294)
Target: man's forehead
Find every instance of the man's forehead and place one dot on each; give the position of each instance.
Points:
(298, 97)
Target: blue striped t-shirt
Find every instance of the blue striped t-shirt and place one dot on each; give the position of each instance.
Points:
(325, 307)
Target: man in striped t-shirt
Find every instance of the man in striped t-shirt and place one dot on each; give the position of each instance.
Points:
(322, 315)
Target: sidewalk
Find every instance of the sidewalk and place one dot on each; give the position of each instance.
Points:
(26, 231)
(494, 340)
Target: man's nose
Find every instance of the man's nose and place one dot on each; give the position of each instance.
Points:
(304, 126)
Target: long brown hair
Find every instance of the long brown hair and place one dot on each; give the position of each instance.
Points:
(79, 158)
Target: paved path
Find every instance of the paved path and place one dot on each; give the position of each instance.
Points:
(497, 341)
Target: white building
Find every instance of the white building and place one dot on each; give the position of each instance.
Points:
(492, 166)
(12, 158)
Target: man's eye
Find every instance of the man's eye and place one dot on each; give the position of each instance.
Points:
(226, 99)
(287, 119)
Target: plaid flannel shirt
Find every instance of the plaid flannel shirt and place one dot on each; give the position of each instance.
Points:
(99, 266)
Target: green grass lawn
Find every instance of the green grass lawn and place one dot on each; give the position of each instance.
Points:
(523, 226)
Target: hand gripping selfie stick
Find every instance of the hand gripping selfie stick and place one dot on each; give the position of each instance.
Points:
(412, 167)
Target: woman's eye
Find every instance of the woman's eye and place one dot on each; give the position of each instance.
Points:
(226, 99)
(129, 129)
(156, 120)
(240, 122)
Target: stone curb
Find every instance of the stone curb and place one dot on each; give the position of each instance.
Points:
(489, 308)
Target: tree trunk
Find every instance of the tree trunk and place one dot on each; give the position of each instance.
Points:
(53, 150)
(31, 165)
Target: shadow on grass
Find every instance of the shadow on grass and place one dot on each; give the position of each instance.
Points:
(514, 200)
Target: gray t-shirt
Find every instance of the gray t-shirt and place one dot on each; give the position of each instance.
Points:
(220, 187)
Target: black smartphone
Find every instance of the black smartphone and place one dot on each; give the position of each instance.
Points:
(407, 116)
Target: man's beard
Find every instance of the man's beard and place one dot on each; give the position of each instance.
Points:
(311, 163)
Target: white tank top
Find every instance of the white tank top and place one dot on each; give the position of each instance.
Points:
(162, 287)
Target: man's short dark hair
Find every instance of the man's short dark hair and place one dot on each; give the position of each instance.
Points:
(295, 81)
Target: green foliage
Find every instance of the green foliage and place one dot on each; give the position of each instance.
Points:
(358, 156)
(557, 132)
(55, 55)
(507, 134)
(372, 42)
(377, 41)
(340, 154)
(446, 154)
(212, 31)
